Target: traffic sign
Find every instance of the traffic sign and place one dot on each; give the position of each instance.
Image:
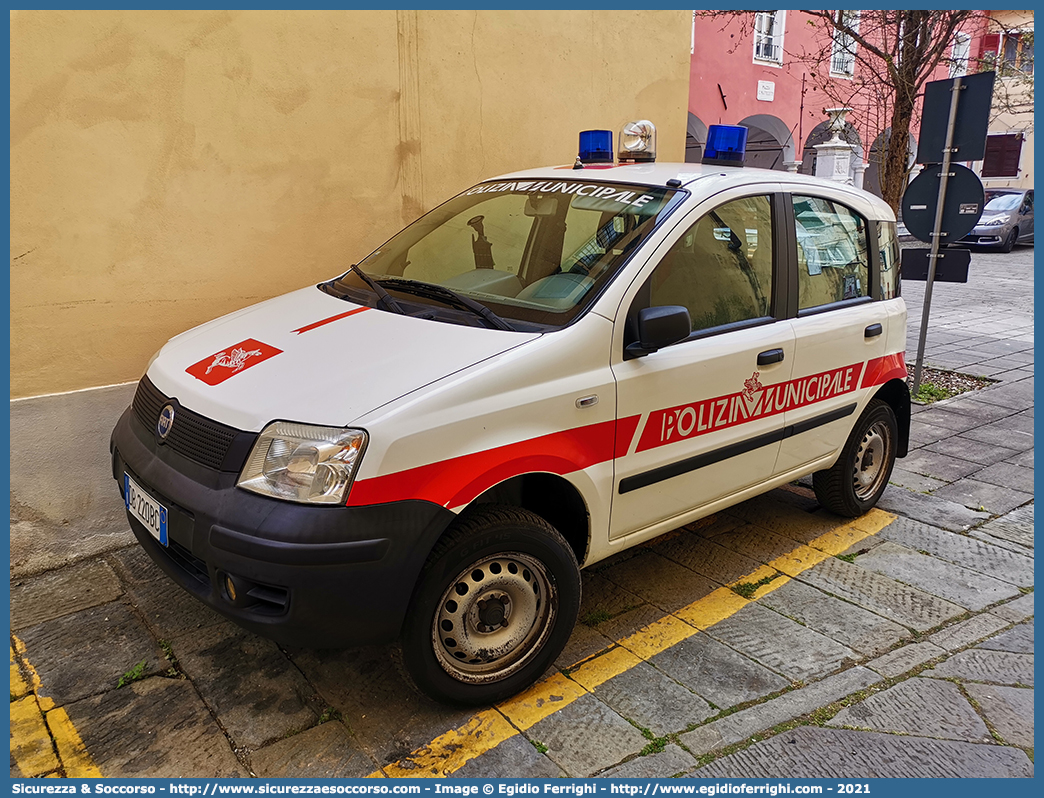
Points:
(970, 125)
(962, 205)
(951, 265)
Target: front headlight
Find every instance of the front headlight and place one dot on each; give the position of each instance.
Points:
(998, 220)
(303, 463)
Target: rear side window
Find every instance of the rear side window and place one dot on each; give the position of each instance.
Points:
(721, 267)
(833, 260)
(889, 243)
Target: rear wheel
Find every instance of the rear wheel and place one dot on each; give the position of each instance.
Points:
(495, 604)
(856, 481)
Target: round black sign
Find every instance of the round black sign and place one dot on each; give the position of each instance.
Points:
(962, 205)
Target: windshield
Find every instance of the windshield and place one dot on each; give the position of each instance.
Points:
(535, 252)
(1001, 202)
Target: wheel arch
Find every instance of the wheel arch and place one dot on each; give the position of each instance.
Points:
(550, 496)
(897, 394)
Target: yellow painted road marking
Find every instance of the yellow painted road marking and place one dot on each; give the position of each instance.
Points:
(552, 694)
(601, 669)
(31, 748)
(450, 751)
(542, 699)
(713, 608)
(75, 758)
(34, 678)
(799, 560)
(19, 686)
(657, 636)
(35, 722)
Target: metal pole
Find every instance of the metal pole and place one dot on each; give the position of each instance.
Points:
(936, 233)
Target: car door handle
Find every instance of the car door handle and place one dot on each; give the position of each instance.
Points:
(770, 356)
(873, 331)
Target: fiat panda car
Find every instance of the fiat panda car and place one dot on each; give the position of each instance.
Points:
(551, 367)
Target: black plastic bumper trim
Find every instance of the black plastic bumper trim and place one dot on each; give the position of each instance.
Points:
(278, 551)
(651, 477)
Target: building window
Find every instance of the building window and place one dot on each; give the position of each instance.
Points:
(960, 54)
(1017, 55)
(842, 54)
(1002, 155)
(768, 36)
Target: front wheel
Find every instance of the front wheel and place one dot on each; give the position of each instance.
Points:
(1009, 241)
(856, 481)
(495, 604)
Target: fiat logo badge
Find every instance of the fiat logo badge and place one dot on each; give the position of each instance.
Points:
(166, 422)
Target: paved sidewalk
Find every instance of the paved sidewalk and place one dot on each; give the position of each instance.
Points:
(773, 639)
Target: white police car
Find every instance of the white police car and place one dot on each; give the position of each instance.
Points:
(549, 368)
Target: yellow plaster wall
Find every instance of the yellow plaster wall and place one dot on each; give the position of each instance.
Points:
(171, 166)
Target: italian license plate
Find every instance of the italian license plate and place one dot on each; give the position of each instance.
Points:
(146, 509)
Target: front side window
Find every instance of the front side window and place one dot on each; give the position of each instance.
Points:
(535, 252)
(833, 261)
(721, 267)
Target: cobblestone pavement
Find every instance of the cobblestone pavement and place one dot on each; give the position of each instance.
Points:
(770, 640)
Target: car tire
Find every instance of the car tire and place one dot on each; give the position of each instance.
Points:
(856, 481)
(494, 606)
(1009, 242)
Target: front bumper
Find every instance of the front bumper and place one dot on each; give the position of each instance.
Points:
(986, 236)
(320, 577)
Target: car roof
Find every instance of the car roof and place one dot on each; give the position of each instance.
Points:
(703, 180)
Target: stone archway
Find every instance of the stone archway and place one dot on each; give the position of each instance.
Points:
(872, 178)
(695, 138)
(769, 143)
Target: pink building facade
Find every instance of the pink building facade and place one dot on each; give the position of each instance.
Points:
(751, 72)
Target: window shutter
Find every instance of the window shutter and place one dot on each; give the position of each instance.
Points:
(990, 43)
(1002, 155)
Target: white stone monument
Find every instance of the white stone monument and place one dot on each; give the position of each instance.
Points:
(834, 157)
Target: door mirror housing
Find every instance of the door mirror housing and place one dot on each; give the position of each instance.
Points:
(659, 327)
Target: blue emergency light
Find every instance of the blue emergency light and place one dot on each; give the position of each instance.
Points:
(726, 145)
(596, 146)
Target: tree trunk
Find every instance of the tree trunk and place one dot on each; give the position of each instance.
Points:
(896, 169)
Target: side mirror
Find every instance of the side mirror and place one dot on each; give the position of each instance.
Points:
(659, 327)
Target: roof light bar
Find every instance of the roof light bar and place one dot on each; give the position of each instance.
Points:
(638, 141)
(596, 146)
(726, 145)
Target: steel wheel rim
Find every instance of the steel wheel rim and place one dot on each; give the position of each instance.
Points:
(870, 468)
(493, 618)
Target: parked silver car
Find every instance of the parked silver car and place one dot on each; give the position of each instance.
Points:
(1007, 219)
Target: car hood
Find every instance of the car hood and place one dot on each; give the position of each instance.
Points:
(310, 357)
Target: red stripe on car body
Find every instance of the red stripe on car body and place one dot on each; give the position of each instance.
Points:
(338, 317)
(457, 481)
(880, 370)
(755, 401)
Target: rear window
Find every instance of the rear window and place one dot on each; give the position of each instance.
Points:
(889, 242)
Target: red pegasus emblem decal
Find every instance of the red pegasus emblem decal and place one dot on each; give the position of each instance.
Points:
(752, 386)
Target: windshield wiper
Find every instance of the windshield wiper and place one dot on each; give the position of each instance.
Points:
(450, 297)
(382, 295)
